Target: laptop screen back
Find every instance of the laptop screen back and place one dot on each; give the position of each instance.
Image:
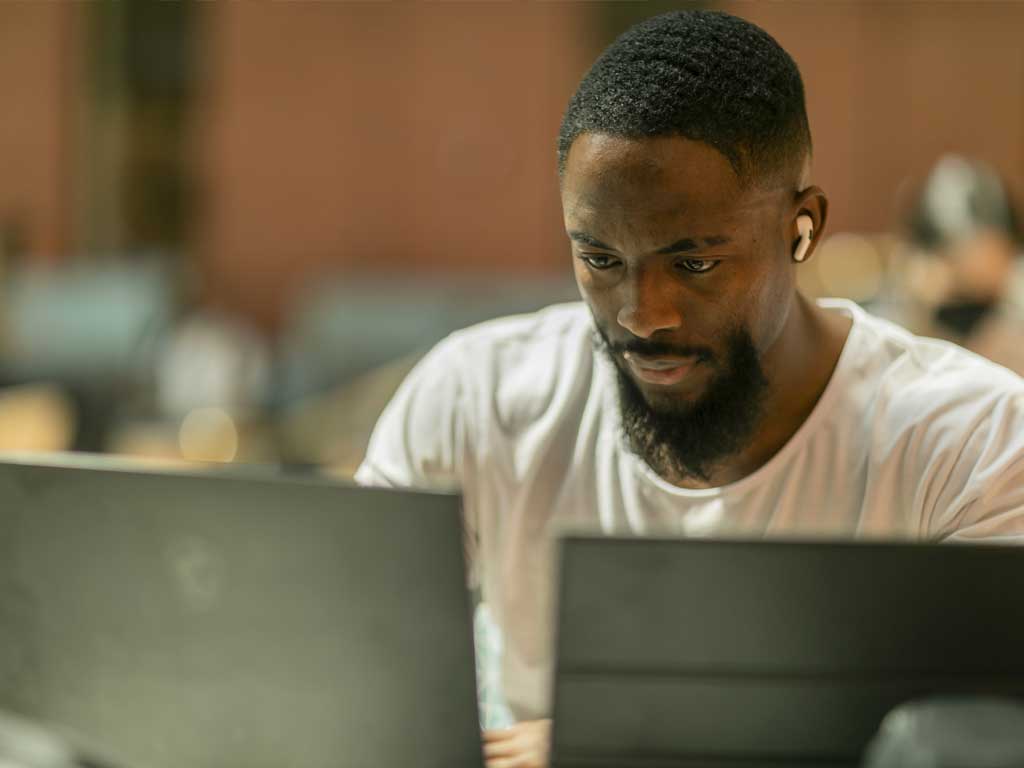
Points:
(223, 622)
(722, 653)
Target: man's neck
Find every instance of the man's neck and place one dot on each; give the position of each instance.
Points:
(799, 368)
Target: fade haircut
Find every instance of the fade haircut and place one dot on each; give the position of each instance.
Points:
(703, 75)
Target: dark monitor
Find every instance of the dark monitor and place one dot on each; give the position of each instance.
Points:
(236, 622)
(739, 653)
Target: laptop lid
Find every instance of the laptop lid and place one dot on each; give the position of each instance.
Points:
(716, 653)
(222, 621)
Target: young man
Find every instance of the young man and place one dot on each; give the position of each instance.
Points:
(694, 390)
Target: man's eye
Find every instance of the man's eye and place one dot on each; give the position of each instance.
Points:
(597, 261)
(699, 266)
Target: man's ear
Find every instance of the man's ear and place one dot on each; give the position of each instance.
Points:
(809, 203)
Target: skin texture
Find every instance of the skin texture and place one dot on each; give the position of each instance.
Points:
(647, 218)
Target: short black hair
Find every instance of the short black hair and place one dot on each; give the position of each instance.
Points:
(703, 75)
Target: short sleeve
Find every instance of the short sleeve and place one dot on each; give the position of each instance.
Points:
(990, 472)
(422, 439)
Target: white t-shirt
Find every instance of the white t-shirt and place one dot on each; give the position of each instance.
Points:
(912, 438)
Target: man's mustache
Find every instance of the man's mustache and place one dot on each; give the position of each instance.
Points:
(650, 348)
(657, 349)
(654, 349)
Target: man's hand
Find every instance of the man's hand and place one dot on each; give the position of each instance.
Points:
(524, 745)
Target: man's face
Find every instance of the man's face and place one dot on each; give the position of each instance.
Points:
(688, 276)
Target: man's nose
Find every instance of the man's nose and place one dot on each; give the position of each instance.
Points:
(649, 306)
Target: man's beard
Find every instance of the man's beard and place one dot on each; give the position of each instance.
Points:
(687, 439)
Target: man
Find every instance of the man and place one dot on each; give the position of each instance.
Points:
(694, 390)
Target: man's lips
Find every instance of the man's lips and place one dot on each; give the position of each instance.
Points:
(663, 370)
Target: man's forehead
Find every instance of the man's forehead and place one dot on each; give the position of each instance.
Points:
(667, 215)
(655, 176)
(658, 207)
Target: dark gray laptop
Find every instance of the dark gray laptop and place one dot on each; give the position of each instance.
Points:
(726, 653)
(237, 622)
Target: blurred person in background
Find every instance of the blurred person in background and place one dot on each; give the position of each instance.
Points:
(965, 276)
(694, 390)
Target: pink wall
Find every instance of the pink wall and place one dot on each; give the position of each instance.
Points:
(403, 137)
(892, 86)
(420, 137)
(34, 146)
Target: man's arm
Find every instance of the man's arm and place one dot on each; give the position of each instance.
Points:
(996, 516)
(982, 497)
(421, 438)
(424, 439)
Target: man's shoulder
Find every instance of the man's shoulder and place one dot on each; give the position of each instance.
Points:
(929, 374)
(933, 399)
(946, 432)
(514, 370)
(543, 326)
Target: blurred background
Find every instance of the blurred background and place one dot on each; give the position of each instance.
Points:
(227, 230)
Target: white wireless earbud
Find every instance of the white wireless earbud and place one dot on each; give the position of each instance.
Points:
(806, 228)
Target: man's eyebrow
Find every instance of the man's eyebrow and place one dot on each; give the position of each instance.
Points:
(688, 244)
(585, 239)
